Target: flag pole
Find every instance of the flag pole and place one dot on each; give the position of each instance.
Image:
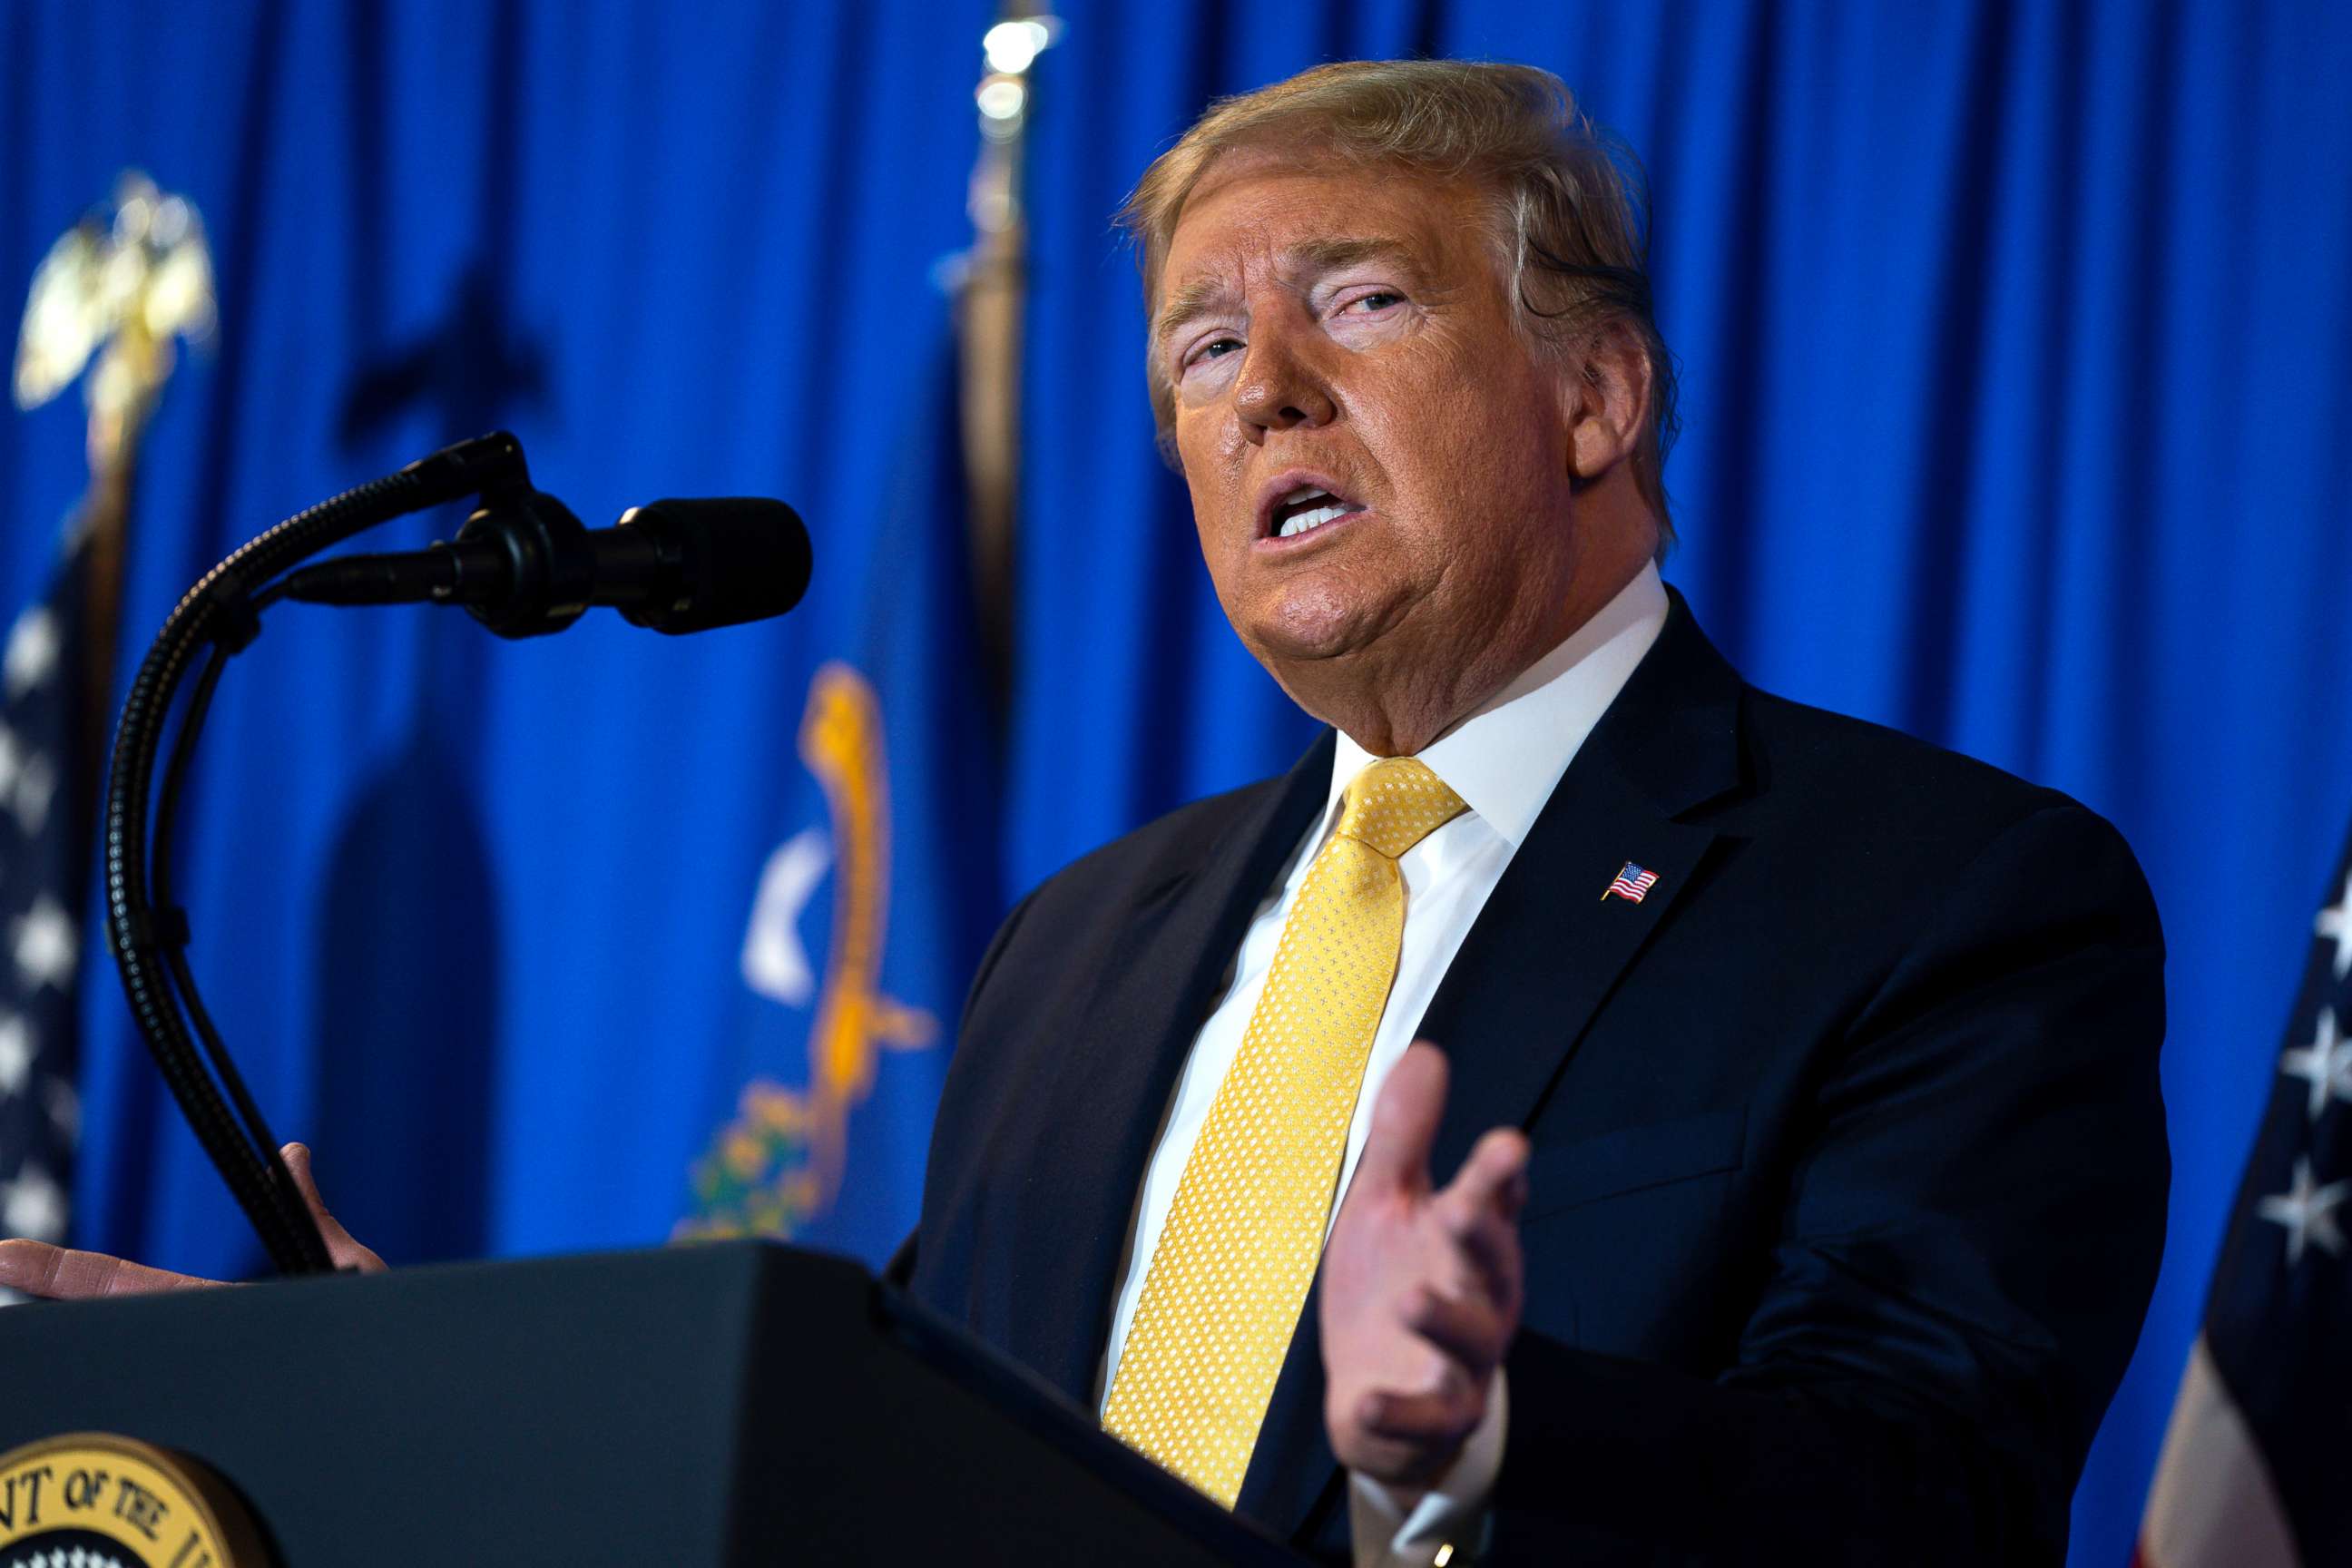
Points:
(991, 293)
(114, 296)
(106, 307)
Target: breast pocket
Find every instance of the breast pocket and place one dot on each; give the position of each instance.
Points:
(1634, 1159)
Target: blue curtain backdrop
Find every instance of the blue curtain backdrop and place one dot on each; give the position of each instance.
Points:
(2014, 342)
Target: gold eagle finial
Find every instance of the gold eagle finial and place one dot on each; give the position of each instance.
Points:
(120, 288)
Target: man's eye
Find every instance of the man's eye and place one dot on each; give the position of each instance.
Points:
(1215, 348)
(1378, 300)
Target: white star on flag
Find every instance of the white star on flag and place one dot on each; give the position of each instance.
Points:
(46, 946)
(2326, 1064)
(37, 786)
(15, 1052)
(33, 1207)
(32, 651)
(2308, 1213)
(2335, 924)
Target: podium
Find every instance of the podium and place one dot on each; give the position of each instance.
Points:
(733, 1404)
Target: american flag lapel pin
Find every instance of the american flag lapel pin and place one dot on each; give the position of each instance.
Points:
(1632, 884)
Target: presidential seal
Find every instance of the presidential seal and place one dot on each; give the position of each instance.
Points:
(92, 1500)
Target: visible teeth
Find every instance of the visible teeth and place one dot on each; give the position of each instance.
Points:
(1303, 494)
(1315, 517)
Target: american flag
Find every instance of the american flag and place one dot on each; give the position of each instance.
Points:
(2254, 1473)
(43, 872)
(1632, 882)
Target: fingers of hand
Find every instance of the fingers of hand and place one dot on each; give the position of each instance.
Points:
(1473, 1332)
(1496, 1175)
(62, 1274)
(1479, 1212)
(1432, 1422)
(1404, 1122)
(306, 1181)
(342, 1249)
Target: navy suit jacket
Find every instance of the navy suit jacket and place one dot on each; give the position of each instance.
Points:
(1849, 1178)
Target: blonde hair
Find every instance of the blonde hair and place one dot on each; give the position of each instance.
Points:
(1569, 219)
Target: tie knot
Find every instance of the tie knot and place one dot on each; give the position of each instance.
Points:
(1396, 803)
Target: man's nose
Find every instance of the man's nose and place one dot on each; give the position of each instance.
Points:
(1279, 387)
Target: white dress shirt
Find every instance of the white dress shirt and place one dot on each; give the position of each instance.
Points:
(1502, 760)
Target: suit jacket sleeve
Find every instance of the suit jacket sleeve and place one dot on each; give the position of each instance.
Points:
(1964, 1254)
(898, 1272)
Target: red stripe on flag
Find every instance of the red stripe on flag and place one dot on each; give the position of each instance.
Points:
(2212, 1505)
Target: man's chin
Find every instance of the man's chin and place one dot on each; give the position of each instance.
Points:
(1277, 647)
(1319, 627)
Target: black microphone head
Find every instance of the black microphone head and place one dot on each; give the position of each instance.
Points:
(739, 558)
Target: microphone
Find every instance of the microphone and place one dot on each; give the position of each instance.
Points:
(524, 566)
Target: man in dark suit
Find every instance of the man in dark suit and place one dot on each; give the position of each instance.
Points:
(1791, 1183)
(1804, 1092)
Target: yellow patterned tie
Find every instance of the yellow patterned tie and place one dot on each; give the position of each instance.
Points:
(1244, 1233)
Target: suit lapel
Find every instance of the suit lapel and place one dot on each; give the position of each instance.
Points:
(1104, 1114)
(1545, 954)
(1547, 949)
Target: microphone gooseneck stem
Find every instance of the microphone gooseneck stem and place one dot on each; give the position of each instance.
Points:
(146, 933)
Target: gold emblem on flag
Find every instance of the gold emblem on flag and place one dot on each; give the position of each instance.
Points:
(779, 1161)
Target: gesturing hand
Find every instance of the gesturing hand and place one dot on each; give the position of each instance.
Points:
(38, 1269)
(1420, 1289)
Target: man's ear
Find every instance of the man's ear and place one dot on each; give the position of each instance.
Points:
(1607, 400)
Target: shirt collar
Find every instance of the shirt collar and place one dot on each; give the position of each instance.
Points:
(1504, 758)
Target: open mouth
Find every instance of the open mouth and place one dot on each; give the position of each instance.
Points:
(1306, 509)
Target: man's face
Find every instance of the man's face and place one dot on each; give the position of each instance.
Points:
(1378, 460)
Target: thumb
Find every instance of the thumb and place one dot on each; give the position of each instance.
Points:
(1404, 1124)
(346, 1252)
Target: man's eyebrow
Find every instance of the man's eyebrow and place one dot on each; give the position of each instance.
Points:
(1315, 256)
(1309, 258)
(1194, 300)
